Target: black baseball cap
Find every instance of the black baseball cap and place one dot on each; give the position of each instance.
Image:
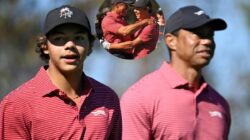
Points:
(65, 14)
(121, 1)
(141, 3)
(191, 17)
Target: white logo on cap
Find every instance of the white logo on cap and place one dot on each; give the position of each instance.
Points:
(199, 13)
(66, 13)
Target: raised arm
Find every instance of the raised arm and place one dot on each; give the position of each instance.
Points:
(132, 28)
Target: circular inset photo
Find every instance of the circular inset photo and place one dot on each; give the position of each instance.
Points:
(129, 29)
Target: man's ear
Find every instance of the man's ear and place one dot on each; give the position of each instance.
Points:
(89, 51)
(90, 48)
(171, 41)
(44, 47)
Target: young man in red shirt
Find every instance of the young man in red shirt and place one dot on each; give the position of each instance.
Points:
(61, 102)
(175, 102)
(146, 38)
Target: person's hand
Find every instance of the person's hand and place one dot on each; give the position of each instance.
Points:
(150, 21)
(105, 44)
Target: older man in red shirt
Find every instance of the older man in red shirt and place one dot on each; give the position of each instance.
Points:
(175, 102)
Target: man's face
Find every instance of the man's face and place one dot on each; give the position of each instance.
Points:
(122, 9)
(195, 47)
(67, 47)
(141, 13)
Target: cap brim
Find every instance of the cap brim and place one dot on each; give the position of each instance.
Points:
(126, 2)
(52, 27)
(216, 24)
(138, 6)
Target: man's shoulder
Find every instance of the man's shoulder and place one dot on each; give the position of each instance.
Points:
(22, 93)
(99, 87)
(217, 97)
(214, 92)
(150, 83)
(108, 17)
(103, 92)
(145, 91)
(152, 28)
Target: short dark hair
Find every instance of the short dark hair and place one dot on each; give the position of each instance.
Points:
(40, 42)
(160, 12)
(175, 33)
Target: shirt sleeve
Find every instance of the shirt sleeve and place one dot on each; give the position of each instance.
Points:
(148, 33)
(110, 25)
(13, 120)
(135, 119)
(117, 121)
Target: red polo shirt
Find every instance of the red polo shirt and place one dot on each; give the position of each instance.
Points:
(161, 106)
(149, 36)
(38, 110)
(110, 25)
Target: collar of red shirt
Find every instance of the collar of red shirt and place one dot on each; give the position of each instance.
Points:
(44, 85)
(174, 79)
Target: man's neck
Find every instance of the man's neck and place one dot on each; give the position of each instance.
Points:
(145, 17)
(190, 74)
(116, 13)
(68, 83)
